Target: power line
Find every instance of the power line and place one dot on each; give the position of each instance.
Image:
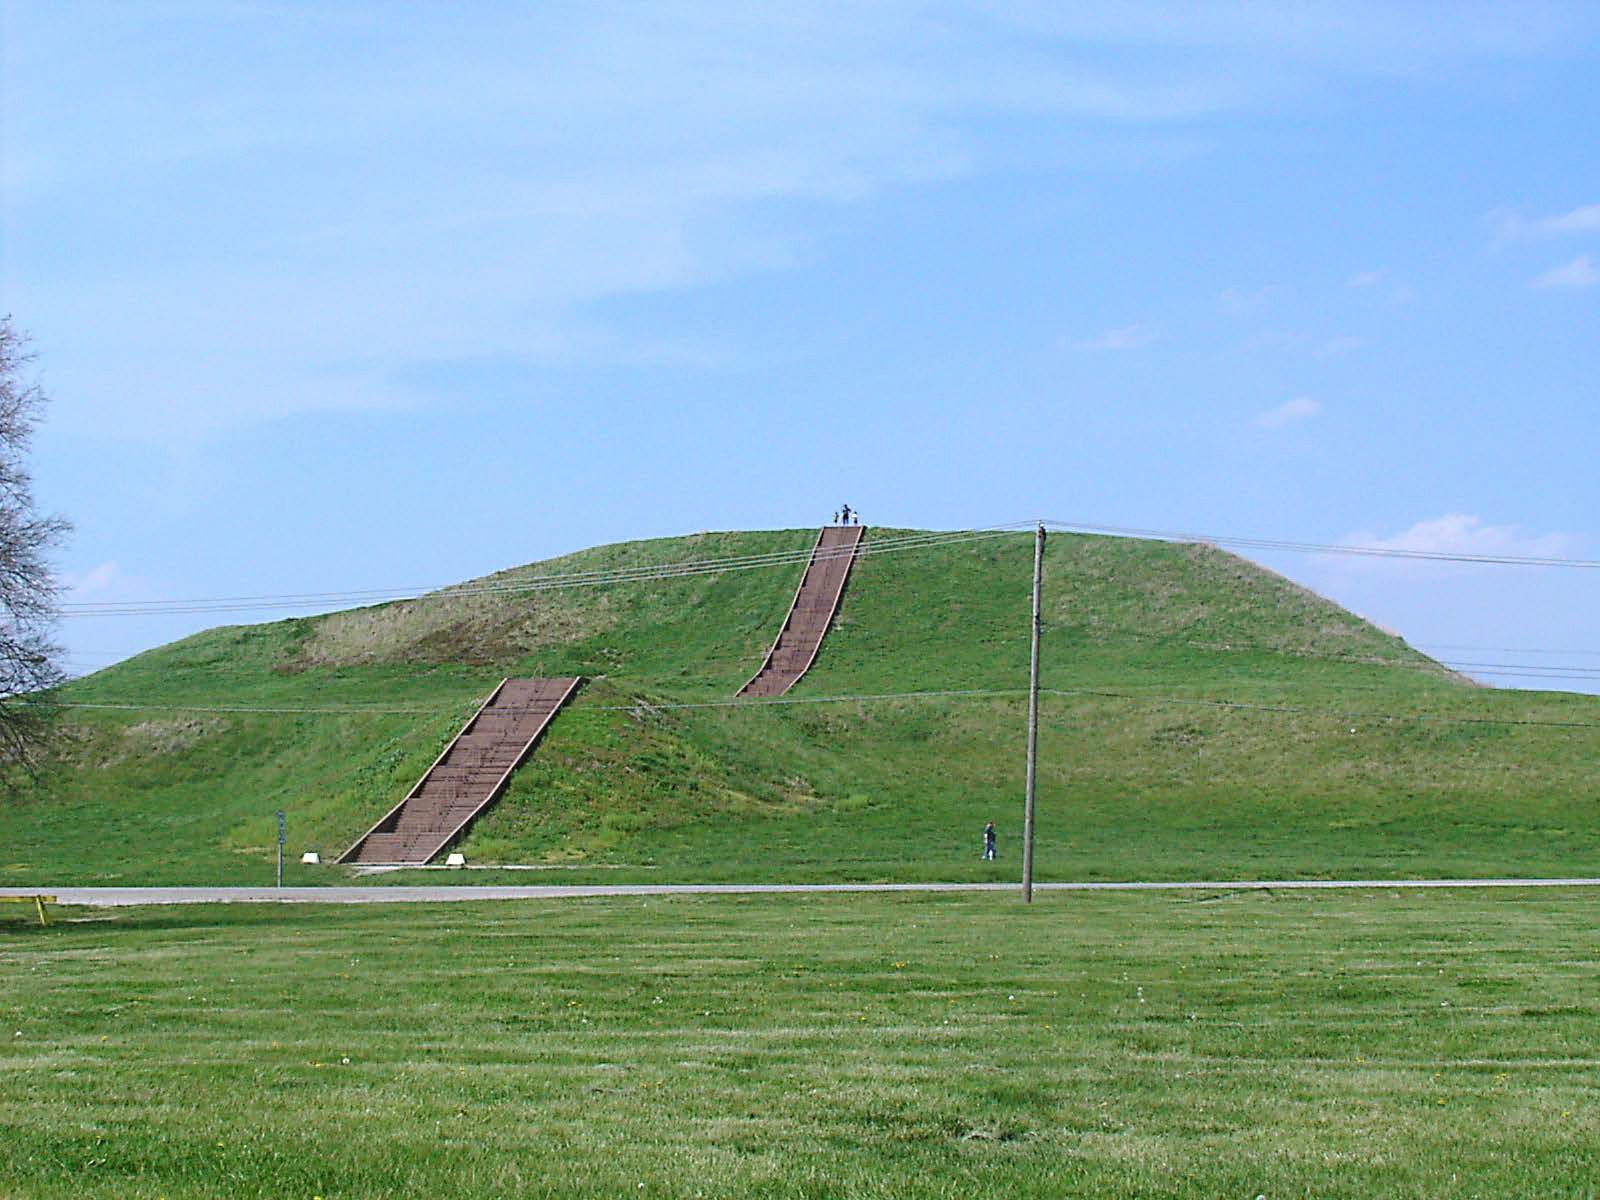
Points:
(349, 710)
(1250, 706)
(1422, 662)
(550, 580)
(1257, 543)
(1419, 663)
(655, 572)
(878, 546)
(1508, 649)
(1534, 671)
(1531, 668)
(877, 697)
(1538, 675)
(539, 583)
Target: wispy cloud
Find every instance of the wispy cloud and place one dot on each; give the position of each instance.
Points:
(1579, 220)
(1382, 279)
(1242, 300)
(1510, 226)
(488, 183)
(1581, 272)
(1317, 345)
(1291, 412)
(96, 581)
(1334, 346)
(1454, 533)
(1128, 337)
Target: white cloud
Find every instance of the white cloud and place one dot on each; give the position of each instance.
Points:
(1510, 226)
(1581, 272)
(1579, 220)
(1239, 300)
(1461, 533)
(1128, 337)
(93, 582)
(1363, 35)
(1291, 412)
(1342, 344)
(1398, 293)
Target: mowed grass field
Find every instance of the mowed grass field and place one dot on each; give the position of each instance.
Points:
(1361, 1044)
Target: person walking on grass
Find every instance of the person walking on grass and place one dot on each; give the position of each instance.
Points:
(988, 842)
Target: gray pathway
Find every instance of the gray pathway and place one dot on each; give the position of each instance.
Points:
(116, 897)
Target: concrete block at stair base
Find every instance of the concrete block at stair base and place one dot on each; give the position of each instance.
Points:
(456, 860)
(311, 857)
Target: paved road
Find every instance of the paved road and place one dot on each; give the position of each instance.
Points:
(115, 897)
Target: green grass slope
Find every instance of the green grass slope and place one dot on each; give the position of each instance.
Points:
(1339, 750)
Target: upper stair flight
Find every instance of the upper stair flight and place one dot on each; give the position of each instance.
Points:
(816, 601)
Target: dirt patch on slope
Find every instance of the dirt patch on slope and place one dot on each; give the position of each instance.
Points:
(457, 628)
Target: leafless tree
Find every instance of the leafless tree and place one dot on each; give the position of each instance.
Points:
(29, 591)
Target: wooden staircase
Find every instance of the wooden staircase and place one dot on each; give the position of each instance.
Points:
(468, 777)
(816, 601)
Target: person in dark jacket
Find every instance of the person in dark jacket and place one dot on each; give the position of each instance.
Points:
(988, 842)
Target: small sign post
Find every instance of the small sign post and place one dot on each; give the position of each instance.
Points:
(281, 840)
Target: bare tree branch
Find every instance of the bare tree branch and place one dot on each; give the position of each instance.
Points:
(29, 591)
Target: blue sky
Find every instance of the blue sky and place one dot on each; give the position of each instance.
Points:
(365, 295)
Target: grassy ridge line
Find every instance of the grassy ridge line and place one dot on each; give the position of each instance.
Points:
(1388, 1044)
(1130, 788)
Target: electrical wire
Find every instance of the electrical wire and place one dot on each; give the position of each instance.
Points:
(539, 583)
(877, 697)
(1257, 543)
(351, 710)
(1508, 650)
(656, 572)
(878, 546)
(1422, 662)
(1343, 715)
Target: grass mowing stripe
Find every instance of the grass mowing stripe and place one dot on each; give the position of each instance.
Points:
(865, 1046)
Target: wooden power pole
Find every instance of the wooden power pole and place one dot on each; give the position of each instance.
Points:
(1033, 722)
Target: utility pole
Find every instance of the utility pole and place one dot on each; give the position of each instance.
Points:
(1033, 721)
(280, 846)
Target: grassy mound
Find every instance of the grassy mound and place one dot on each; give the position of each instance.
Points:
(1323, 768)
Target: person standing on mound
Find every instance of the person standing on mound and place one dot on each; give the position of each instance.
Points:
(988, 842)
